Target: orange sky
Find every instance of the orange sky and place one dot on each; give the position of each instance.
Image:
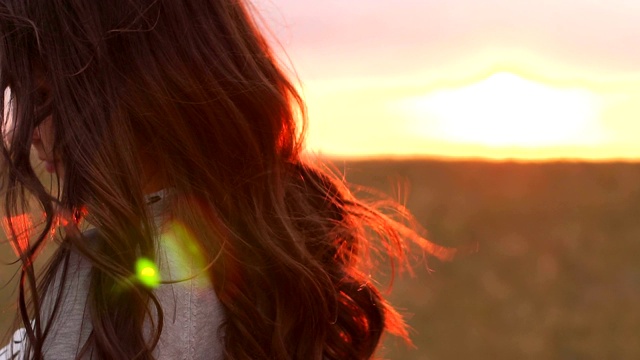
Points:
(464, 78)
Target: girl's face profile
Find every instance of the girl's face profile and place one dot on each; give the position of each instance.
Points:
(43, 138)
(43, 144)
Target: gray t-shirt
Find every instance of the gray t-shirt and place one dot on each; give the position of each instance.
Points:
(192, 312)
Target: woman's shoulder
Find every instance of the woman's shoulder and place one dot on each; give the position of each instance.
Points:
(192, 314)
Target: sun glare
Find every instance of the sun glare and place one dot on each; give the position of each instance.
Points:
(508, 110)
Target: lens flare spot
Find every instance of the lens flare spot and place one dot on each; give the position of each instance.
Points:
(185, 257)
(147, 273)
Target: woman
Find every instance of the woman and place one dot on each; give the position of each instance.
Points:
(172, 131)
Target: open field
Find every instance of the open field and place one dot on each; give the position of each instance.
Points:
(557, 271)
(556, 274)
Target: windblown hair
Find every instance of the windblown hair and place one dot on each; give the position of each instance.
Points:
(194, 88)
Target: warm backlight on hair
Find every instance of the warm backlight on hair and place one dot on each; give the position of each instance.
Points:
(22, 227)
(508, 110)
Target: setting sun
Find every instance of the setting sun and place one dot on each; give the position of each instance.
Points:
(507, 110)
(487, 81)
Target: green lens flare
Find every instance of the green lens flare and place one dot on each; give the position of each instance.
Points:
(147, 273)
(184, 255)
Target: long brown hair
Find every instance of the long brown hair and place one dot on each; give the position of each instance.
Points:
(193, 88)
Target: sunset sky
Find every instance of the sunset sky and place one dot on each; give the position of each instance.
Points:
(464, 78)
